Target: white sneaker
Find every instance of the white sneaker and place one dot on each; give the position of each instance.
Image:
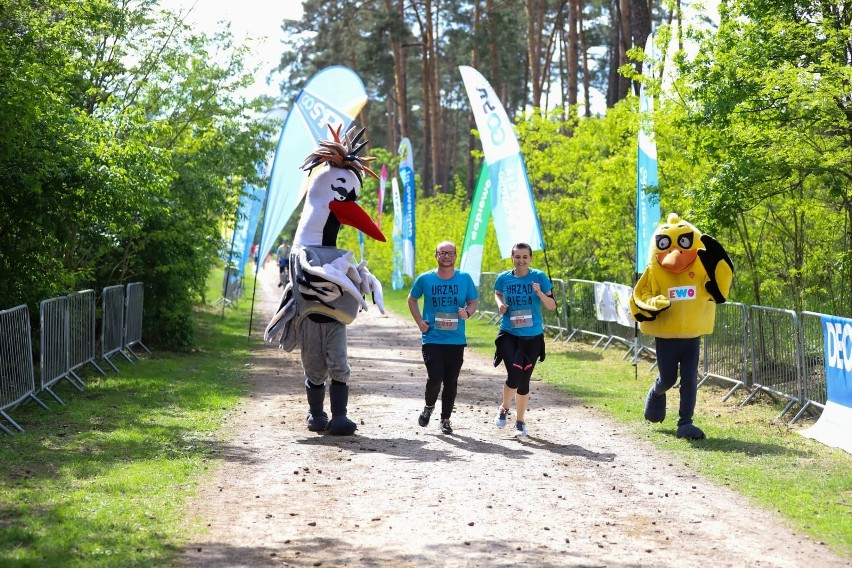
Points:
(502, 417)
(520, 428)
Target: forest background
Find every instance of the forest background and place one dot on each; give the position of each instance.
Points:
(127, 143)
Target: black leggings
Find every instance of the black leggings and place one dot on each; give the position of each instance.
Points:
(519, 356)
(443, 365)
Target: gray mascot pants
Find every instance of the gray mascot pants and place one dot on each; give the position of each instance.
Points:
(323, 351)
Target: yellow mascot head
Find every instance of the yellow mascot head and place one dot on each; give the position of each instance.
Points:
(675, 244)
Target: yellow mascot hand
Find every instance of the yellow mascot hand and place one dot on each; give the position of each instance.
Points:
(647, 310)
(719, 267)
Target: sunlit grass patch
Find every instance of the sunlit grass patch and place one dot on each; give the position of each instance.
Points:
(102, 481)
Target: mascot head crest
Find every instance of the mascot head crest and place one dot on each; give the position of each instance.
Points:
(341, 153)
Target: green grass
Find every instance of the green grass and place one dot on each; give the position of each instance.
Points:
(747, 447)
(103, 480)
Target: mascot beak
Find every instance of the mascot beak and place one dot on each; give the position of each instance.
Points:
(350, 213)
(677, 260)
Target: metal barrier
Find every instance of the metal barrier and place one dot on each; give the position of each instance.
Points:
(487, 306)
(814, 390)
(775, 354)
(556, 320)
(17, 376)
(133, 317)
(112, 324)
(582, 315)
(232, 287)
(617, 332)
(81, 326)
(642, 344)
(726, 349)
(55, 340)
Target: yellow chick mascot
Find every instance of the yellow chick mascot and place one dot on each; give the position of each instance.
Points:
(675, 301)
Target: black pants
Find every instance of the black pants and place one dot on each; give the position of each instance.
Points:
(443, 365)
(684, 354)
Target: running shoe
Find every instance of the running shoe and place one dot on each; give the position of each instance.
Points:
(445, 426)
(520, 428)
(423, 419)
(502, 417)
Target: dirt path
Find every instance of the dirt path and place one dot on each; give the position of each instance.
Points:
(576, 492)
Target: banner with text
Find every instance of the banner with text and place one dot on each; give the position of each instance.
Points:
(335, 95)
(647, 190)
(835, 423)
(512, 206)
(397, 281)
(477, 226)
(406, 174)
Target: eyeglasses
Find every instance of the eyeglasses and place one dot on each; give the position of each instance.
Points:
(445, 253)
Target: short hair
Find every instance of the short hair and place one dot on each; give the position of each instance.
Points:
(522, 246)
(443, 243)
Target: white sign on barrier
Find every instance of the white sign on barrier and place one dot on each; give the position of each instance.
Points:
(612, 303)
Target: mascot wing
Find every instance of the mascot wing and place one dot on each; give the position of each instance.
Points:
(720, 269)
(283, 322)
(370, 285)
(645, 305)
(339, 275)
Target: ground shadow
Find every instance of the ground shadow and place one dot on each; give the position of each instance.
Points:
(309, 551)
(403, 448)
(566, 449)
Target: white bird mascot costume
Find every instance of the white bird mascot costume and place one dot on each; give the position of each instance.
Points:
(326, 289)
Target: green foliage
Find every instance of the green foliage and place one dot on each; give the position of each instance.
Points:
(769, 105)
(115, 162)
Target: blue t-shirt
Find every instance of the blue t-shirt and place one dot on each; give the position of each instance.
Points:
(441, 302)
(523, 318)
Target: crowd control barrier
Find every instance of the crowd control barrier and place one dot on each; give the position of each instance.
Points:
(55, 339)
(583, 317)
(726, 349)
(17, 376)
(775, 361)
(487, 306)
(112, 325)
(133, 317)
(81, 318)
(814, 391)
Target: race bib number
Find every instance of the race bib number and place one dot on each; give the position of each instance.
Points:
(446, 322)
(520, 318)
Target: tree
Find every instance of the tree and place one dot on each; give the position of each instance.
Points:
(122, 131)
(770, 105)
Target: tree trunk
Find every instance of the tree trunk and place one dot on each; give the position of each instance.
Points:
(617, 84)
(400, 106)
(584, 54)
(435, 113)
(470, 180)
(426, 74)
(494, 71)
(573, 52)
(640, 28)
(535, 25)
